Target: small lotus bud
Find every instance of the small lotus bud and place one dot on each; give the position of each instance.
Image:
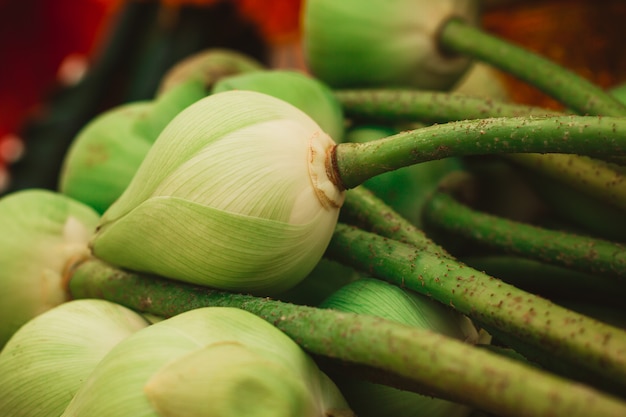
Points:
(351, 43)
(306, 93)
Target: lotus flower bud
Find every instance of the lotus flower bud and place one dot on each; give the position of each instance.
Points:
(106, 153)
(378, 298)
(48, 359)
(214, 362)
(43, 235)
(383, 43)
(228, 198)
(308, 94)
(104, 156)
(207, 67)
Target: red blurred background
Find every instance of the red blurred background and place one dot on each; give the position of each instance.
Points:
(46, 45)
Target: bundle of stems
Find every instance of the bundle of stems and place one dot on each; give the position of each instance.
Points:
(427, 362)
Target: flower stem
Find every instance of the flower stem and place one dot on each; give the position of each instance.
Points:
(364, 209)
(589, 343)
(572, 90)
(440, 365)
(586, 254)
(591, 177)
(594, 136)
(427, 106)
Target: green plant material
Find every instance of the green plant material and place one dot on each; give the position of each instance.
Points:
(327, 277)
(593, 213)
(216, 362)
(596, 136)
(594, 178)
(593, 345)
(561, 84)
(582, 253)
(575, 92)
(207, 67)
(105, 155)
(441, 365)
(304, 92)
(384, 43)
(396, 105)
(405, 189)
(48, 358)
(43, 235)
(549, 281)
(364, 209)
(233, 199)
(482, 80)
(378, 298)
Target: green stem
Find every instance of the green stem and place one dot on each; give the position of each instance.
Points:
(572, 90)
(441, 365)
(550, 281)
(586, 254)
(427, 106)
(363, 209)
(591, 177)
(357, 162)
(590, 343)
(595, 178)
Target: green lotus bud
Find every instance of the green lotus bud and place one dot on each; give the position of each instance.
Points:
(308, 94)
(48, 359)
(105, 155)
(378, 298)
(207, 67)
(43, 235)
(214, 362)
(383, 43)
(232, 199)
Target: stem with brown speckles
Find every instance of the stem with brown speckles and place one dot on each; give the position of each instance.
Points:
(440, 365)
(589, 343)
(595, 136)
(583, 253)
(566, 86)
(592, 177)
(394, 105)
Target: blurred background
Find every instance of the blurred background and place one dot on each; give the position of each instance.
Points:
(65, 61)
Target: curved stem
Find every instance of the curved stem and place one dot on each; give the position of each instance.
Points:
(595, 178)
(586, 254)
(440, 365)
(357, 162)
(591, 344)
(591, 177)
(363, 209)
(572, 90)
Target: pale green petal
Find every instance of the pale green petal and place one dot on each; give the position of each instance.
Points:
(381, 42)
(253, 188)
(213, 381)
(202, 123)
(198, 244)
(42, 233)
(47, 360)
(117, 387)
(381, 299)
